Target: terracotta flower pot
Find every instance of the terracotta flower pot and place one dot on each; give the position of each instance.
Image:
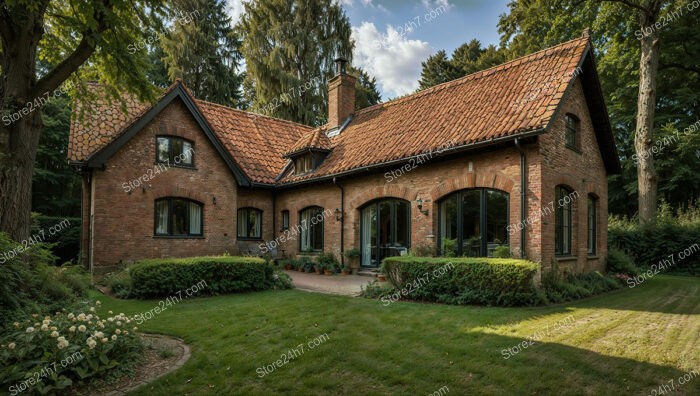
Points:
(319, 272)
(328, 272)
(288, 267)
(344, 272)
(381, 278)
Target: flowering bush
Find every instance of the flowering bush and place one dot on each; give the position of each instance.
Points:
(55, 352)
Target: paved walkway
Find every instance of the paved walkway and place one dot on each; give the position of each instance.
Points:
(346, 285)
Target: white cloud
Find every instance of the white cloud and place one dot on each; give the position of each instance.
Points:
(390, 57)
(433, 4)
(235, 10)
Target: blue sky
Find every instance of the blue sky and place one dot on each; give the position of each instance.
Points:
(393, 37)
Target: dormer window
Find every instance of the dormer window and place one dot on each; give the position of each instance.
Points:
(173, 150)
(303, 164)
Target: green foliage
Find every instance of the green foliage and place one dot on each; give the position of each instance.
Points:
(120, 283)
(618, 262)
(66, 349)
(353, 253)
(289, 47)
(423, 250)
(281, 281)
(65, 241)
(55, 184)
(559, 289)
(449, 247)
(366, 92)
(327, 261)
(204, 53)
(663, 239)
(464, 280)
(31, 281)
(374, 289)
(164, 277)
(502, 252)
(466, 59)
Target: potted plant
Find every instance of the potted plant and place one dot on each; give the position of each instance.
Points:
(309, 266)
(353, 256)
(345, 270)
(318, 267)
(328, 262)
(328, 270)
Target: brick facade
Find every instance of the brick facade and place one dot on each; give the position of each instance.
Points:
(123, 229)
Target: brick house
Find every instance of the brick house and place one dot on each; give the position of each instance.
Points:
(516, 155)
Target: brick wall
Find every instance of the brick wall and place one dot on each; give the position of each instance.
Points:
(582, 171)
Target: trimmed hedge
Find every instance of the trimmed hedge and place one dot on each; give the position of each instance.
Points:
(164, 277)
(464, 280)
(652, 243)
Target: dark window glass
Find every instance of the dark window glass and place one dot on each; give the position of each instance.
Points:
(384, 230)
(592, 225)
(572, 131)
(249, 223)
(285, 219)
(302, 164)
(311, 224)
(174, 151)
(562, 222)
(473, 222)
(177, 217)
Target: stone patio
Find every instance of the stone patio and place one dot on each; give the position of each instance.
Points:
(346, 285)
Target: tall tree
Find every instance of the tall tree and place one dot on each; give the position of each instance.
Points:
(65, 34)
(366, 93)
(204, 51)
(289, 47)
(56, 186)
(437, 69)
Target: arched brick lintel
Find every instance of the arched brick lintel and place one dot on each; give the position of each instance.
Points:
(385, 191)
(473, 180)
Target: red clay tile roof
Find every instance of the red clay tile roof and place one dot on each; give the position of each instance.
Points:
(315, 139)
(503, 101)
(256, 142)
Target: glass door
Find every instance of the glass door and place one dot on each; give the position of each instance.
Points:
(385, 230)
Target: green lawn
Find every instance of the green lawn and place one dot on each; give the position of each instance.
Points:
(626, 342)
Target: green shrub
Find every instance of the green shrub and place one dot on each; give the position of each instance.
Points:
(464, 280)
(327, 261)
(281, 281)
(65, 349)
(502, 252)
(653, 242)
(162, 277)
(559, 289)
(423, 250)
(449, 247)
(120, 283)
(374, 289)
(31, 282)
(618, 262)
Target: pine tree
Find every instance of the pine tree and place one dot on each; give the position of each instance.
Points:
(437, 69)
(366, 93)
(204, 51)
(289, 47)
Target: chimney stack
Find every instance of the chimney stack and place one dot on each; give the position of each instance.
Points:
(341, 95)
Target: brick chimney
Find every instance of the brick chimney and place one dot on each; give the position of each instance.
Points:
(341, 95)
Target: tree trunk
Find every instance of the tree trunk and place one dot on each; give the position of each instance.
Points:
(646, 105)
(19, 145)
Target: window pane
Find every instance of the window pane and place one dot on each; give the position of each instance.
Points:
(592, 226)
(285, 219)
(254, 223)
(317, 229)
(402, 221)
(176, 148)
(471, 223)
(162, 149)
(186, 156)
(496, 219)
(179, 217)
(448, 224)
(369, 235)
(242, 223)
(195, 219)
(162, 217)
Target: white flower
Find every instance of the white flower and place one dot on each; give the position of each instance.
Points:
(119, 323)
(110, 319)
(98, 334)
(36, 324)
(30, 329)
(62, 342)
(98, 302)
(82, 328)
(103, 340)
(11, 345)
(136, 328)
(92, 309)
(91, 343)
(54, 334)
(126, 332)
(46, 322)
(118, 331)
(109, 312)
(114, 337)
(53, 328)
(71, 329)
(89, 317)
(44, 327)
(81, 317)
(71, 316)
(16, 324)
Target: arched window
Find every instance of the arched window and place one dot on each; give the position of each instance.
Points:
(385, 230)
(311, 226)
(178, 217)
(249, 223)
(563, 221)
(473, 222)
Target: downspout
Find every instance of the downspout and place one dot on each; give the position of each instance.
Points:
(274, 218)
(523, 196)
(342, 222)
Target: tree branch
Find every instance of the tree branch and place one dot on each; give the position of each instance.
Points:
(689, 68)
(82, 52)
(633, 5)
